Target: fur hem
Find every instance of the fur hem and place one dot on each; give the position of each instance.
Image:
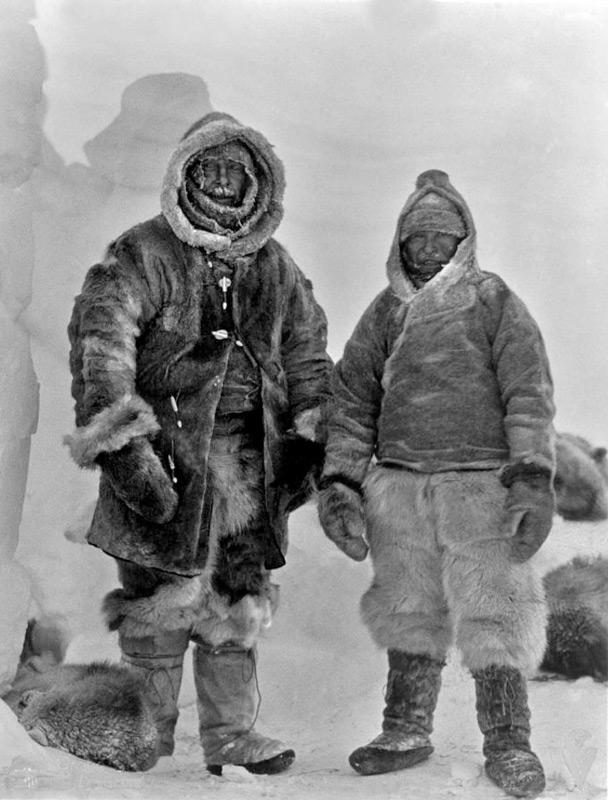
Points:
(484, 646)
(241, 623)
(173, 606)
(190, 604)
(400, 632)
(111, 429)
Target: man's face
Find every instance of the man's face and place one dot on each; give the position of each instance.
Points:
(222, 179)
(427, 252)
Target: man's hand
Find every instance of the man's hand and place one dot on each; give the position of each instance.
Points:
(139, 480)
(342, 519)
(529, 510)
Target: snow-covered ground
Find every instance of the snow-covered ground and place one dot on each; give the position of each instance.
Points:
(321, 681)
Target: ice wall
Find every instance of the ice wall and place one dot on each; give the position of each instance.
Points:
(21, 110)
(79, 208)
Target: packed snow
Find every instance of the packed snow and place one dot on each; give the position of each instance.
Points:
(321, 682)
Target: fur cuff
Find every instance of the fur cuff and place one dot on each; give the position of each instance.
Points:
(242, 623)
(523, 470)
(111, 429)
(173, 606)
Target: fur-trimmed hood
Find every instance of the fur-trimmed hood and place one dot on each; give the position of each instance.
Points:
(262, 208)
(463, 262)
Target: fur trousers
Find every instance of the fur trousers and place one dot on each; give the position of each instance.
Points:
(442, 574)
(233, 600)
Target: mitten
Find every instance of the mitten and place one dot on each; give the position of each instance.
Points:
(299, 457)
(529, 509)
(167, 364)
(139, 480)
(342, 518)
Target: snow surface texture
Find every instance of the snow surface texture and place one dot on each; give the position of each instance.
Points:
(509, 102)
(321, 681)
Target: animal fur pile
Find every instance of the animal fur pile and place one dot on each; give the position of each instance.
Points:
(96, 711)
(577, 631)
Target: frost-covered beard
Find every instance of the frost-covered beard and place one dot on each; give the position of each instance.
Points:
(218, 208)
(420, 274)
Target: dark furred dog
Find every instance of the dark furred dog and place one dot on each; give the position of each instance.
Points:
(577, 632)
(581, 479)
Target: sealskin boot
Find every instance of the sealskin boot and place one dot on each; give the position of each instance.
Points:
(411, 697)
(226, 686)
(159, 660)
(504, 720)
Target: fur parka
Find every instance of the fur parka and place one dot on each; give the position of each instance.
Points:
(156, 283)
(453, 375)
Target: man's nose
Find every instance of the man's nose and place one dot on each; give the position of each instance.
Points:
(429, 245)
(222, 173)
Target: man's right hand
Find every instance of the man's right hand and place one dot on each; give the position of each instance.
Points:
(343, 520)
(139, 480)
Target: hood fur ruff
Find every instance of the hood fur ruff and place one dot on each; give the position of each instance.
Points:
(464, 260)
(261, 218)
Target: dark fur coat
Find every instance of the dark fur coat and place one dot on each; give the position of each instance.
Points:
(145, 362)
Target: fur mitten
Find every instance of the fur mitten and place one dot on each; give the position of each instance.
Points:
(342, 518)
(529, 510)
(299, 457)
(139, 480)
(168, 364)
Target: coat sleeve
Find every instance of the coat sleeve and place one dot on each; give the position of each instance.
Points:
(526, 387)
(304, 346)
(357, 396)
(105, 323)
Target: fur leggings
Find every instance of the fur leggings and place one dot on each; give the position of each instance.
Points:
(233, 599)
(442, 571)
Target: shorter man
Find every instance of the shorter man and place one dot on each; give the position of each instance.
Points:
(445, 381)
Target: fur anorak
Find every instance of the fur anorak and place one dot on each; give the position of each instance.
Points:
(450, 376)
(156, 277)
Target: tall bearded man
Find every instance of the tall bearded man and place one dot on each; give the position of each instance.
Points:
(198, 355)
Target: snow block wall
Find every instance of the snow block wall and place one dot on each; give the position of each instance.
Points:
(21, 111)
(78, 209)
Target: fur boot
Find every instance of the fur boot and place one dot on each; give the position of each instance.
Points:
(158, 662)
(226, 686)
(504, 720)
(411, 696)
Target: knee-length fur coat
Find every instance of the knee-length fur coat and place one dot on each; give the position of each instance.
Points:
(156, 279)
